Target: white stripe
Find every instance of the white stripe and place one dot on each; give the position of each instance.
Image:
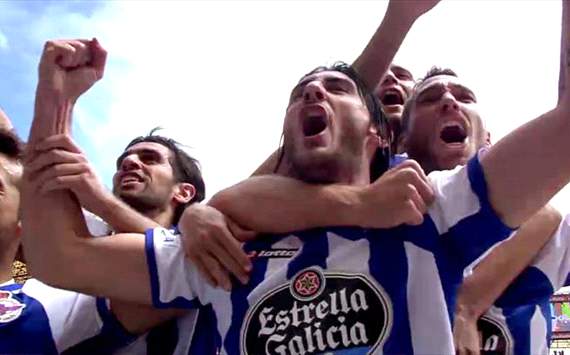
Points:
(426, 304)
(73, 317)
(454, 199)
(348, 255)
(538, 328)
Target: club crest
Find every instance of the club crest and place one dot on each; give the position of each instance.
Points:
(10, 308)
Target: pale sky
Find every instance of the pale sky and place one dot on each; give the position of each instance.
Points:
(217, 74)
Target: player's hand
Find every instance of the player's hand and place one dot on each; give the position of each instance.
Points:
(57, 163)
(68, 68)
(210, 241)
(400, 196)
(410, 9)
(466, 336)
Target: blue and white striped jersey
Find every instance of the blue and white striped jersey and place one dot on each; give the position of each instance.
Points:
(179, 336)
(39, 319)
(344, 290)
(520, 320)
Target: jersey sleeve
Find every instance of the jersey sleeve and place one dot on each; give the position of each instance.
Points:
(175, 282)
(463, 214)
(554, 258)
(74, 318)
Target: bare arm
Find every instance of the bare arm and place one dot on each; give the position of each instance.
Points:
(66, 257)
(296, 205)
(384, 44)
(527, 167)
(494, 274)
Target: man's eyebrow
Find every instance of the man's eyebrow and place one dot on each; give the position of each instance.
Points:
(402, 70)
(464, 88)
(429, 89)
(327, 80)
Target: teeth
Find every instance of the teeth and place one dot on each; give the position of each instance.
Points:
(452, 124)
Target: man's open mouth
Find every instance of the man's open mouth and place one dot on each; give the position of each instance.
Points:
(453, 132)
(314, 125)
(392, 97)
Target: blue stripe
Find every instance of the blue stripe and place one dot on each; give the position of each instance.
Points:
(314, 252)
(240, 292)
(30, 333)
(388, 265)
(206, 338)
(474, 235)
(532, 286)
(112, 336)
(518, 321)
(178, 302)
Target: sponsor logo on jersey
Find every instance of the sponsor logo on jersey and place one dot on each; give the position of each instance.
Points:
(10, 308)
(273, 253)
(319, 312)
(495, 337)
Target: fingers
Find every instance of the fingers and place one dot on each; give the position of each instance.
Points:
(214, 269)
(58, 141)
(56, 157)
(99, 58)
(241, 234)
(68, 54)
(417, 177)
(72, 54)
(231, 256)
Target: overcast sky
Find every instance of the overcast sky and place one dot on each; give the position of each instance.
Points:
(217, 74)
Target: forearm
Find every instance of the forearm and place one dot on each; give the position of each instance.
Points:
(274, 204)
(121, 217)
(375, 60)
(496, 272)
(51, 116)
(535, 170)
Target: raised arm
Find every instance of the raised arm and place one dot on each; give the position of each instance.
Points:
(53, 222)
(376, 58)
(495, 273)
(527, 167)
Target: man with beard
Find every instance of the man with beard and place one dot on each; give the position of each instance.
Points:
(306, 292)
(63, 321)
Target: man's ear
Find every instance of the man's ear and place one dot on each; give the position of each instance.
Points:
(184, 193)
(488, 138)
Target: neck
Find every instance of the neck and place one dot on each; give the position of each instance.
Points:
(163, 217)
(8, 250)
(356, 173)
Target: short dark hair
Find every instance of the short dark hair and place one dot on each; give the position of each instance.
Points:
(433, 71)
(186, 169)
(11, 145)
(381, 160)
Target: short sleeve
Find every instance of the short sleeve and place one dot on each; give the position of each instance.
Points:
(463, 214)
(554, 258)
(175, 282)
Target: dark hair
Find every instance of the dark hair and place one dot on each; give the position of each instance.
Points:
(380, 161)
(11, 145)
(186, 169)
(433, 71)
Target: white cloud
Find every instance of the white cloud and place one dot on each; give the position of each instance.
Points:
(3, 41)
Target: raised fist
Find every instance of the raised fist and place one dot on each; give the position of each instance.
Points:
(70, 67)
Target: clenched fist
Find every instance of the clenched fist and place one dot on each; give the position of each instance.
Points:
(68, 68)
